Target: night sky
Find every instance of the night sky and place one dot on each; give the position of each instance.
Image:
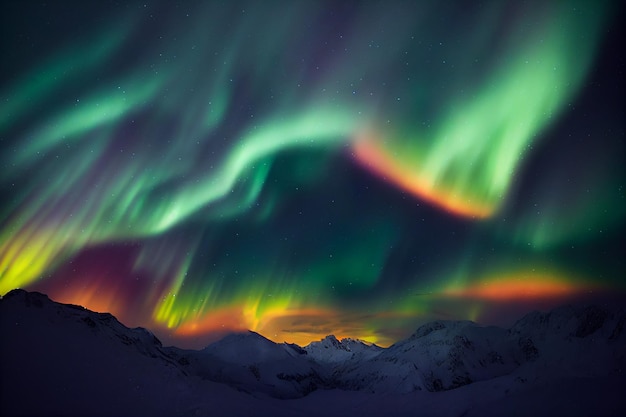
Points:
(307, 168)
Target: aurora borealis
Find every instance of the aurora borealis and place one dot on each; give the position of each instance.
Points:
(306, 168)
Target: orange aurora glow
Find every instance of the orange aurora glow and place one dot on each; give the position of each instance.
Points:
(280, 323)
(519, 287)
(375, 158)
(91, 295)
(289, 325)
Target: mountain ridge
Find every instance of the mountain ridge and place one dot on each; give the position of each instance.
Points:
(452, 357)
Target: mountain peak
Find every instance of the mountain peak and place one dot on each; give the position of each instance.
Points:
(246, 335)
(566, 344)
(28, 297)
(332, 341)
(332, 350)
(433, 326)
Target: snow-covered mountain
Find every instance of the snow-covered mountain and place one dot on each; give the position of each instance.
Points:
(58, 359)
(252, 363)
(330, 350)
(439, 356)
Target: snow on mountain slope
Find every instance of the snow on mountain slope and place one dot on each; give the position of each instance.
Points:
(572, 342)
(249, 348)
(64, 360)
(439, 356)
(58, 359)
(331, 350)
(253, 363)
(445, 355)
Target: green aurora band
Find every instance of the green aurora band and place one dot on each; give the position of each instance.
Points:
(231, 148)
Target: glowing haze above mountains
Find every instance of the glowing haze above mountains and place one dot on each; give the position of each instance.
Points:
(307, 168)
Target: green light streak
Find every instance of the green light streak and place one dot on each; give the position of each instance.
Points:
(321, 127)
(39, 85)
(476, 146)
(171, 135)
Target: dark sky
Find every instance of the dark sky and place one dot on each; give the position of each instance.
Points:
(306, 168)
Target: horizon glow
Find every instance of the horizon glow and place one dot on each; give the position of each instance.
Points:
(305, 169)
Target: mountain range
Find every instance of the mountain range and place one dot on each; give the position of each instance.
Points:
(60, 359)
